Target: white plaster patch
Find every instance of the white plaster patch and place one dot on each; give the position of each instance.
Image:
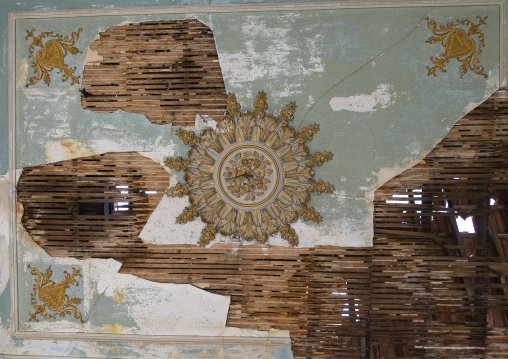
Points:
(66, 150)
(387, 173)
(112, 142)
(470, 107)
(162, 228)
(379, 98)
(157, 308)
(92, 57)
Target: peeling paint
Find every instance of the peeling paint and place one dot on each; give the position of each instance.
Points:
(379, 98)
(92, 57)
(271, 60)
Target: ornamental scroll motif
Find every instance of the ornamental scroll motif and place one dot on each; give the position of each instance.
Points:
(51, 56)
(52, 295)
(251, 177)
(458, 44)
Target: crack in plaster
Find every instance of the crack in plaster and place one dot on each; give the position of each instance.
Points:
(95, 303)
(361, 67)
(373, 145)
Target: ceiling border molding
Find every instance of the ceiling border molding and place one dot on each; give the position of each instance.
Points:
(175, 9)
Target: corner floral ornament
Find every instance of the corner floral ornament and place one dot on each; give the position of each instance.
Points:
(53, 295)
(458, 45)
(251, 177)
(51, 56)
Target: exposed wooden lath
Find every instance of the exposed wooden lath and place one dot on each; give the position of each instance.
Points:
(91, 204)
(438, 292)
(424, 290)
(167, 70)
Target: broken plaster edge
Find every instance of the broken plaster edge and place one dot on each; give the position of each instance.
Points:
(230, 335)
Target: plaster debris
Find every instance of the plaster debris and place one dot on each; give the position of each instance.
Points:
(380, 98)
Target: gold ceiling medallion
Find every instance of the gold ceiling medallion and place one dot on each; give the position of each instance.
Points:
(458, 45)
(51, 56)
(53, 295)
(251, 177)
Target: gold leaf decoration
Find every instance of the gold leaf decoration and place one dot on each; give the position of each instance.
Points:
(53, 296)
(178, 164)
(51, 56)
(187, 137)
(307, 133)
(320, 187)
(178, 190)
(207, 235)
(310, 214)
(319, 158)
(458, 44)
(188, 215)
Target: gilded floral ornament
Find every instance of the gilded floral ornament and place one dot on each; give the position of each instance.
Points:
(53, 296)
(458, 44)
(51, 56)
(251, 177)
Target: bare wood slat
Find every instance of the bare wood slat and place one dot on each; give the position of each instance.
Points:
(167, 70)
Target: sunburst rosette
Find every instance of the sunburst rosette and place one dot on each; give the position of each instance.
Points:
(251, 177)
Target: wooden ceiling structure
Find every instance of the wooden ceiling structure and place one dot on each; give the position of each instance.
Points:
(167, 70)
(424, 290)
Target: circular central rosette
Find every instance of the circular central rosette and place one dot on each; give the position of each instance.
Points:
(249, 176)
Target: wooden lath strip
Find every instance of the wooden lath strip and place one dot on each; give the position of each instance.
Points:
(169, 71)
